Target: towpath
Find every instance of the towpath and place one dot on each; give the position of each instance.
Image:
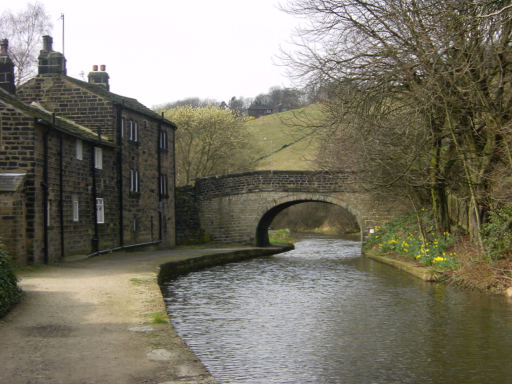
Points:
(99, 320)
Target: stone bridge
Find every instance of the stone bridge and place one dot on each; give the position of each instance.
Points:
(239, 208)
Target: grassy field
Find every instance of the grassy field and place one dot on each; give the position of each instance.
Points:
(294, 143)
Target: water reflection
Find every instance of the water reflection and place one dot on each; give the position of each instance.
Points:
(323, 314)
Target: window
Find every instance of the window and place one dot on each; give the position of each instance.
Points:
(98, 158)
(133, 131)
(100, 211)
(79, 149)
(122, 128)
(75, 210)
(134, 180)
(163, 185)
(163, 140)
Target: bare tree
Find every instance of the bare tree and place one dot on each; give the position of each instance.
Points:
(418, 92)
(24, 30)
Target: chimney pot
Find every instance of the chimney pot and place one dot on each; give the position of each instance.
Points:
(103, 67)
(95, 68)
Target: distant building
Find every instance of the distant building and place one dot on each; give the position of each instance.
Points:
(82, 170)
(259, 110)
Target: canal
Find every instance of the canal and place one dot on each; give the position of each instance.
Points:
(324, 314)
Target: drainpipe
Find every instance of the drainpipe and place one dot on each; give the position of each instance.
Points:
(45, 193)
(95, 239)
(120, 174)
(160, 200)
(61, 196)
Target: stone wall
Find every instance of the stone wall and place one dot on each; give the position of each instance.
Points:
(285, 181)
(188, 222)
(240, 208)
(17, 146)
(13, 224)
(145, 212)
(61, 95)
(150, 210)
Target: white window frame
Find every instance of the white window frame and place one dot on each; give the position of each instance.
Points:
(163, 140)
(134, 181)
(100, 210)
(76, 210)
(163, 185)
(130, 129)
(133, 134)
(98, 158)
(79, 149)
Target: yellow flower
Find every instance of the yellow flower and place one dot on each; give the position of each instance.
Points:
(439, 258)
(406, 250)
(418, 256)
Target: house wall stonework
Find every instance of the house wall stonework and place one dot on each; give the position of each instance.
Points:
(57, 210)
(64, 97)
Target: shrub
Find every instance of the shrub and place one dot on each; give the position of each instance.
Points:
(9, 290)
(497, 232)
(403, 236)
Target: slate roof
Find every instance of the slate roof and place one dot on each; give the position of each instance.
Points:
(62, 124)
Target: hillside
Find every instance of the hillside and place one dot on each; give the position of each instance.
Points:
(294, 143)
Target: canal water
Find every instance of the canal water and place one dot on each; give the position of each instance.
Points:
(324, 314)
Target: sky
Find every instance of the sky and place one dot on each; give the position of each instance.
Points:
(161, 51)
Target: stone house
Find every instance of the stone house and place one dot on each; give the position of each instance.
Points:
(83, 170)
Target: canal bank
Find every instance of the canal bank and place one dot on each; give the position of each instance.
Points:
(103, 320)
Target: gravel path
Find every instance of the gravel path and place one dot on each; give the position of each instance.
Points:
(93, 321)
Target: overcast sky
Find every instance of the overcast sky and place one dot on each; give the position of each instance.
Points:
(159, 51)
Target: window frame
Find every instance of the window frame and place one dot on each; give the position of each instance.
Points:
(98, 157)
(163, 140)
(76, 210)
(100, 210)
(164, 188)
(134, 181)
(79, 149)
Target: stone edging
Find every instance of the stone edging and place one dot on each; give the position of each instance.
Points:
(175, 268)
(421, 272)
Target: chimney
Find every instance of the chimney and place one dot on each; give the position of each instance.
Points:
(6, 68)
(49, 60)
(47, 43)
(99, 77)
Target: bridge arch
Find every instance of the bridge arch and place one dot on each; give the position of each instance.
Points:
(238, 208)
(279, 205)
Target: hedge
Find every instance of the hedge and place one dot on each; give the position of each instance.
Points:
(10, 293)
